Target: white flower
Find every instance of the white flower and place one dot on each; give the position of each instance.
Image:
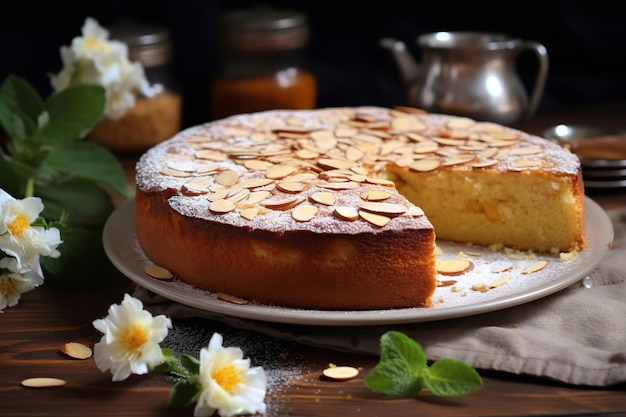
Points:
(228, 384)
(94, 59)
(130, 343)
(13, 283)
(21, 240)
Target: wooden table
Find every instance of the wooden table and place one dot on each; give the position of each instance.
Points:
(46, 318)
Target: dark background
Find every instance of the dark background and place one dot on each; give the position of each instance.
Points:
(586, 42)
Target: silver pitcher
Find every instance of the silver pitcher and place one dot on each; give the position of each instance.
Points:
(470, 74)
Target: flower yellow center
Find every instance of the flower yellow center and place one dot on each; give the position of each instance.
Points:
(95, 44)
(18, 225)
(7, 285)
(227, 377)
(134, 337)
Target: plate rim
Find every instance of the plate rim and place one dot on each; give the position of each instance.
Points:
(597, 224)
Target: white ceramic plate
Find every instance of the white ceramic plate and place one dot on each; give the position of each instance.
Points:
(459, 300)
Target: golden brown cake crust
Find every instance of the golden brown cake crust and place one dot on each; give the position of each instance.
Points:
(294, 208)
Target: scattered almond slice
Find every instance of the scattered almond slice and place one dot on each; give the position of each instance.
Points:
(227, 178)
(453, 266)
(500, 282)
(537, 266)
(340, 373)
(249, 213)
(76, 350)
(158, 272)
(231, 298)
(43, 382)
(279, 171)
(501, 269)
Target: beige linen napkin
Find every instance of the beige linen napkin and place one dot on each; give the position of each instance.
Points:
(577, 336)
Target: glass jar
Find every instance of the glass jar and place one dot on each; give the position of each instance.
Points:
(262, 63)
(152, 119)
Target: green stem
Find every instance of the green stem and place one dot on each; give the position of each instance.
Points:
(30, 187)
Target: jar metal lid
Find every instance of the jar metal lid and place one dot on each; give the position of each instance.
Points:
(149, 45)
(263, 28)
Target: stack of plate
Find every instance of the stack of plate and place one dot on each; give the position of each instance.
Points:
(602, 152)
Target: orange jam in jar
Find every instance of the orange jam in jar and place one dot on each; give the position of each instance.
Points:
(262, 63)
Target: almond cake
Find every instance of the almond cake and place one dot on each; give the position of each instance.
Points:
(340, 208)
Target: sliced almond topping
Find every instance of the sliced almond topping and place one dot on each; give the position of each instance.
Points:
(239, 195)
(249, 213)
(280, 171)
(349, 185)
(231, 298)
(175, 173)
(347, 213)
(335, 163)
(340, 373)
(354, 154)
(488, 153)
(218, 195)
(484, 163)
(407, 123)
(461, 123)
(537, 266)
(257, 164)
(324, 197)
(256, 197)
(283, 204)
(425, 165)
(76, 350)
(527, 163)
(222, 206)
(346, 132)
(453, 266)
(158, 272)
(227, 178)
(324, 139)
(206, 168)
(375, 195)
(255, 182)
(306, 154)
(458, 160)
(291, 186)
(389, 209)
(211, 155)
(304, 212)
(379, 181)
(526, 150)
(374, 218)
(43, 382)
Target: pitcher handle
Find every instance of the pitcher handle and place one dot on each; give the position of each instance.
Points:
(540, 81)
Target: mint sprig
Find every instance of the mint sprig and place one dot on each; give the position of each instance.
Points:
(403, 371)
(75, 179)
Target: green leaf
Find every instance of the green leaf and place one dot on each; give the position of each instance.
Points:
(450, 377)
(83, 262)
(87, 204)
(14, 176)
(183, 393)
(72, 113)
(90, 162)
(20, 107)
(398, 346)
(393, 377)
(190, 363)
